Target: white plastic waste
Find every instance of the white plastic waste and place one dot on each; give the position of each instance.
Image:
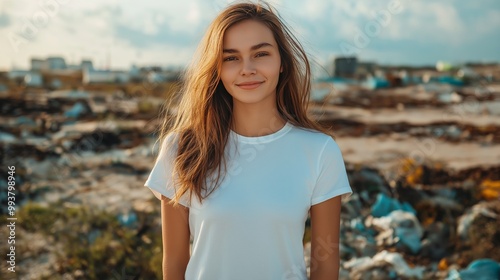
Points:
(401, 225)
(397, 262)
(465, 220)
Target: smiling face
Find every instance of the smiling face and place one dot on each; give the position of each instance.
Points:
(251, 64)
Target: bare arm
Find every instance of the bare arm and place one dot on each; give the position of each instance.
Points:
(325, 227)
(175, 236)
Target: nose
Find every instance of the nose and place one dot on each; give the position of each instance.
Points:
(248, 68)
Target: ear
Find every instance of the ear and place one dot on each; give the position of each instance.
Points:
(281, 69)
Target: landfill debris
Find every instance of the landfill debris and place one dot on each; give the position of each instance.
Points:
(490, 190)
(385, 205)
(421, 150)
(483, 269)
(465, 221)
(7, 137)
(436, 244)
(76, 111)
(128, 218)
(398, 227)
(384, 265)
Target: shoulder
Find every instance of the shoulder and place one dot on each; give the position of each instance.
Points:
(312, 137)
(168, 143)
(170, 139)
(320, 144)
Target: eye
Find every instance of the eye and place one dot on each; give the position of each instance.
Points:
(260, 54)
(229, 58)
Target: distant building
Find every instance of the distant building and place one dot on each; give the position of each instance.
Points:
(37, 64)
(155, 74)
(344, 67)
(51, 63)
(26, 77)
(135, 73)
(55, 83)
(104, 76)
(33, 79)
(18, 74)
(87, 64)
(56, 63)
(365, 69)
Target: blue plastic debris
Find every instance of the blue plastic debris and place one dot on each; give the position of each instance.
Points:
(76, 111)
(482, 269)
(127, 219)
(450, 80)
(375, 83)
(385, 205)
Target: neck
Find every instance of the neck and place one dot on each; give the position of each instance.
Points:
(253, 121)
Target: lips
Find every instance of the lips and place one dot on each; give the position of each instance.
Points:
(249, 85)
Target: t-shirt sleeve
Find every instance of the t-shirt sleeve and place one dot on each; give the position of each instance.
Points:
(160, 180)
(332, 178)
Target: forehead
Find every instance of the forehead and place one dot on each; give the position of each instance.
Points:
(247, 33)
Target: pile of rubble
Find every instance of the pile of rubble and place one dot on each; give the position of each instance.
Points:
(446, 131)
(409, 220)
(400, 231)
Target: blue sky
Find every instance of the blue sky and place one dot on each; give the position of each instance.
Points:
(120, 33)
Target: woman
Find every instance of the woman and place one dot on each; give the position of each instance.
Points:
(243, 165)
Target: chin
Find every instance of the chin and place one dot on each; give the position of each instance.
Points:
(248, 100)
(250, 97)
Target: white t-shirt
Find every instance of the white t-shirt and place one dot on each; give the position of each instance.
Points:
(251, 227)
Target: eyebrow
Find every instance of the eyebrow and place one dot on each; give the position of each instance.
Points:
(253, 48)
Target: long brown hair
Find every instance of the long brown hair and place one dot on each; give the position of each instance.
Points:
(204, 115)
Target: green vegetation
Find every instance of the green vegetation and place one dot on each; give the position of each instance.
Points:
(94, 244)
(307, 235)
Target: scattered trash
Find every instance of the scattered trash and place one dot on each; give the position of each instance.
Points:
(482, 269)
(93, 146)
(369, 268)
(76, 111)
(128, 219)
(490, 190)
(7, 137)
(465, 221)
(373, 83)
(451, 97)
(450, 80)
(25, 121)
(436, 244)
(400, 228)
(384, 205)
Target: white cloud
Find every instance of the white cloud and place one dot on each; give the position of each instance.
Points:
(489, 24)
(167, 31)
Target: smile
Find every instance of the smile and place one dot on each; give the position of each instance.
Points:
(249, 85)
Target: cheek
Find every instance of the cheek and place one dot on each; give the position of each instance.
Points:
(272, 67)
(225, 75)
